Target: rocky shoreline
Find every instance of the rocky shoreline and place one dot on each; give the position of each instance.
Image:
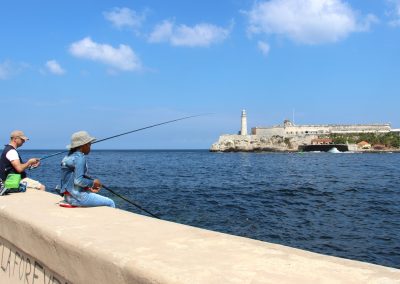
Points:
(254, 143)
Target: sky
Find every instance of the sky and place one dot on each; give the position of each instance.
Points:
(109, 67)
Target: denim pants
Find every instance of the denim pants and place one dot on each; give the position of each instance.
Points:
(90, 199)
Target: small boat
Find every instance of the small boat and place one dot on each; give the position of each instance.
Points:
(324, 147)
(333, 150)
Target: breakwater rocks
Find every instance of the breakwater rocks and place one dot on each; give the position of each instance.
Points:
(255, 143)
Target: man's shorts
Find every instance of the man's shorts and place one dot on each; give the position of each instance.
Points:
(31, 183)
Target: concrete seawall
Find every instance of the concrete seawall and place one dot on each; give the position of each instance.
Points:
(44, 243)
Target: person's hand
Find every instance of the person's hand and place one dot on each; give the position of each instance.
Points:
(94, 190)
(96, 186)
(34, 162)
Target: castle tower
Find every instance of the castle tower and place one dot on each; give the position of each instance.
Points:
(243, 130)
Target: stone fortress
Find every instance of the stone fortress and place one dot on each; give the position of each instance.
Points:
(288, 136)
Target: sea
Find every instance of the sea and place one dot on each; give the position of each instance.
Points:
(345, 205)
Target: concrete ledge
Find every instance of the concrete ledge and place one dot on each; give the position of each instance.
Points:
(44, 243)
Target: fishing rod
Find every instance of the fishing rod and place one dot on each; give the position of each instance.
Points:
(124, 198)
(118, 135)
(125, 133)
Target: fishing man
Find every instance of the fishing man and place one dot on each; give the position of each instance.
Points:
(11, 162)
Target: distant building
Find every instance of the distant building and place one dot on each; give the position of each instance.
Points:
(288, 129)
(321, 141)
(364, 145)
(291, 137)
(395, 131)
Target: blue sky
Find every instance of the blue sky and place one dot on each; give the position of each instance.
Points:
(113, 66)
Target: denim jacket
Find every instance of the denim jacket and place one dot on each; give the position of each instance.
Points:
(73, 175)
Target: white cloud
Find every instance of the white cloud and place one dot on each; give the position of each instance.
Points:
(122, 58)
(54, 67)
(199, 35)
(264, 47)
(307, 21)
(394, 13)
(125, 17)
(5, 70)
(9, 69)
(162, 32)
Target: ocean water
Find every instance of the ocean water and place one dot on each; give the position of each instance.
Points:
(345, 205)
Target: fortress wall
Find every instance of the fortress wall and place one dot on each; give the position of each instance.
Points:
(268, 132)
(225, 137)
(44, 243)
(360, 128)
(320, 129)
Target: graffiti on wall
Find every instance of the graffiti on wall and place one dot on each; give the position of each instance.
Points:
(18, 267)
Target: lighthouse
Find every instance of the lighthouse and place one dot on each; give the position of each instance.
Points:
(243, 130)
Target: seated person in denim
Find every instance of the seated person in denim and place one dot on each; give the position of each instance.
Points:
(78, 189)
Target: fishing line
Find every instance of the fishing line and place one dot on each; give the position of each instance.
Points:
(126, 199)
(131, 202)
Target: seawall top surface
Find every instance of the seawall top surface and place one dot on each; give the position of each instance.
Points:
(105, 245)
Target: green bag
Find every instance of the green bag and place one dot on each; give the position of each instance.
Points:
(12, 181)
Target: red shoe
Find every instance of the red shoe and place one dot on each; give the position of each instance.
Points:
(66, 205)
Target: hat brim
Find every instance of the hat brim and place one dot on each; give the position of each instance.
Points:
(72, 146)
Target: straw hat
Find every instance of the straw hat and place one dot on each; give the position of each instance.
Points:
(80, 138)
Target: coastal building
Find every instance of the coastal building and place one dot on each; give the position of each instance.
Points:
(321, 141)
(290, 137)
(289, 129)
(364, 145)
(396, 131)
